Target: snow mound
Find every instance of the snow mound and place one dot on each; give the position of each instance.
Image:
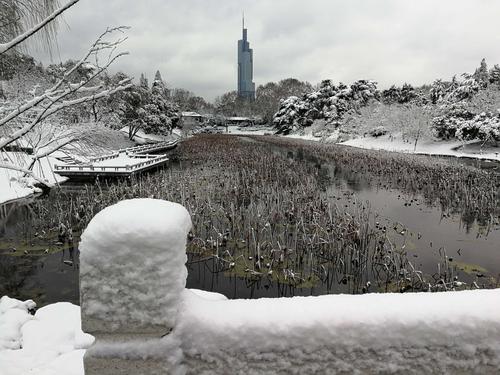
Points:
(13, 315)
(48, 343)
(132, 266)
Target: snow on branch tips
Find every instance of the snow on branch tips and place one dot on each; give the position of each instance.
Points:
(72, 88)
(4, 47)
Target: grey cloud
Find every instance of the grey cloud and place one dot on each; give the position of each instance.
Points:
(193, 42)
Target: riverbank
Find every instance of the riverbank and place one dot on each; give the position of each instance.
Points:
(387, 142)
(455, 148)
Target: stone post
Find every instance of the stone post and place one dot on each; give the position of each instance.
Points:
(132, 274)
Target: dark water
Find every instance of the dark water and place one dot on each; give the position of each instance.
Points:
(52, 276)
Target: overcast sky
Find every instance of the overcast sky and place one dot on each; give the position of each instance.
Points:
(193, 42)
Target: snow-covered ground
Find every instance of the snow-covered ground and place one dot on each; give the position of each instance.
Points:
(121, 160)
(382, 333)
(14, 186)
(395, 143)
(142, 138)
(47, 343)
(427, 147)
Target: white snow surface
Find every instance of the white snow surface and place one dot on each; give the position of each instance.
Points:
(13, 185)
(132, 266)
(49, 343)
(375, 333)
(415, 333)
(142, 138)
(424, 146)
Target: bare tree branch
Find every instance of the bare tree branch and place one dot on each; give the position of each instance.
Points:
(4, 47)
(46, 113)
(97, 46)
(25, 171)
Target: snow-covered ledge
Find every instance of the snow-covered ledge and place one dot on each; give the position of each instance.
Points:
(132, 275)
(132, 283)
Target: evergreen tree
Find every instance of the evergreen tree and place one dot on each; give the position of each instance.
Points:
(143, 81)
(495, 74)
(481, 75)
(437, 91)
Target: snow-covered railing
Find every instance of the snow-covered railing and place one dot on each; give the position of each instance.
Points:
(114, 155)
(149, 147)
(151, 159)
(134, 301)
(131, 283)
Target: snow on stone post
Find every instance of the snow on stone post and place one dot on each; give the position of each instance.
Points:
(132, 274)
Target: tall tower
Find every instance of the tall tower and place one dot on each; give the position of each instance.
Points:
(246, 87)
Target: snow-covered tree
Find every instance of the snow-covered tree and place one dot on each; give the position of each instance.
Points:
(161, 114)
(159, 87)
(495, 74)
(268, 96)
(158, 76)
(329, 102)
(445, 126)
(19, 120)
(150, 110)
(437, 91)
(400, 95)
(481, 75)
(143, 81)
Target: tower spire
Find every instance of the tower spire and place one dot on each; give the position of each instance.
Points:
(243, 19)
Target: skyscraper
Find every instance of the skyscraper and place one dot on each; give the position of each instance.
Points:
(246, 87)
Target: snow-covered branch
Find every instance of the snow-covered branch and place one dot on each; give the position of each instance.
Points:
(25, 171)
(56, 108)
(56, 90)
(4, 47)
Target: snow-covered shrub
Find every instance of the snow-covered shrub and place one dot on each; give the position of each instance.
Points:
(437, 91)
(459, 122)
(466, 89)
(293, 113)
(329, 102)
(485, 126)
(378, 131)
(446, 125)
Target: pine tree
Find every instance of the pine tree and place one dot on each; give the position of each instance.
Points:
(481, 75)
(158, 76)
(143, 82)
(495, 74)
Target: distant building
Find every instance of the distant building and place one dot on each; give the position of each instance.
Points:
(246, 86)
(192, 118)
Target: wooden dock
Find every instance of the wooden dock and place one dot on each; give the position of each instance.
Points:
(151, 148)
(122, 163)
